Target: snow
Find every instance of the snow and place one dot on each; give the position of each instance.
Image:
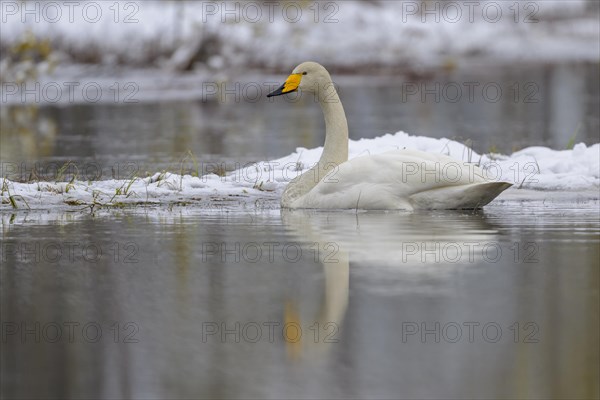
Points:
(351, 34)
(261, 184)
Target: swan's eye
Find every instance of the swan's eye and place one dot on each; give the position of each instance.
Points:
(304, 73)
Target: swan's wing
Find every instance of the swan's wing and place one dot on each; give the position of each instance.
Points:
(403, 179)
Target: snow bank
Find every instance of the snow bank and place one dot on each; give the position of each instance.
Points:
(350, 34)
(537, 168)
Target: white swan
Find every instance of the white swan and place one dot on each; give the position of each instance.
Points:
(396, 180)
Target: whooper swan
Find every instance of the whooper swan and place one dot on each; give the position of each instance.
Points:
(395, 180)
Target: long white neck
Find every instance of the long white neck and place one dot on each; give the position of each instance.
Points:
(335, 150)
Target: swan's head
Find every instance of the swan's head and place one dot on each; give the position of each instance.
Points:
(308, 77)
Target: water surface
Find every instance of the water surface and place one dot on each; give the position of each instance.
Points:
(207, 303)
(499, 109)
(224, 302)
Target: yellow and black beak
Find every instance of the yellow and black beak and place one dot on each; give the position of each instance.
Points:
(290, 85)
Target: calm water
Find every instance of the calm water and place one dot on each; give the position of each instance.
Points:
(227, 303)
(499, 110)
(191, 303)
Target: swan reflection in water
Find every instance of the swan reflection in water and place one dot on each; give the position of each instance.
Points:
(384, 247)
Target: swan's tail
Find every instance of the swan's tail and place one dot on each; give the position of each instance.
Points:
(460, 197)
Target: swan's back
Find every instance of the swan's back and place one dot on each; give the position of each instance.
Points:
(402, 180)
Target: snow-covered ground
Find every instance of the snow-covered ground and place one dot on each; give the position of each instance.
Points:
(261, 184)
(218, 35)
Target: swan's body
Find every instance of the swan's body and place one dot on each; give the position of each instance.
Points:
(396, 180)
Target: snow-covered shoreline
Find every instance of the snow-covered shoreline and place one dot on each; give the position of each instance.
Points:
(219, 36)
(575, 171)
